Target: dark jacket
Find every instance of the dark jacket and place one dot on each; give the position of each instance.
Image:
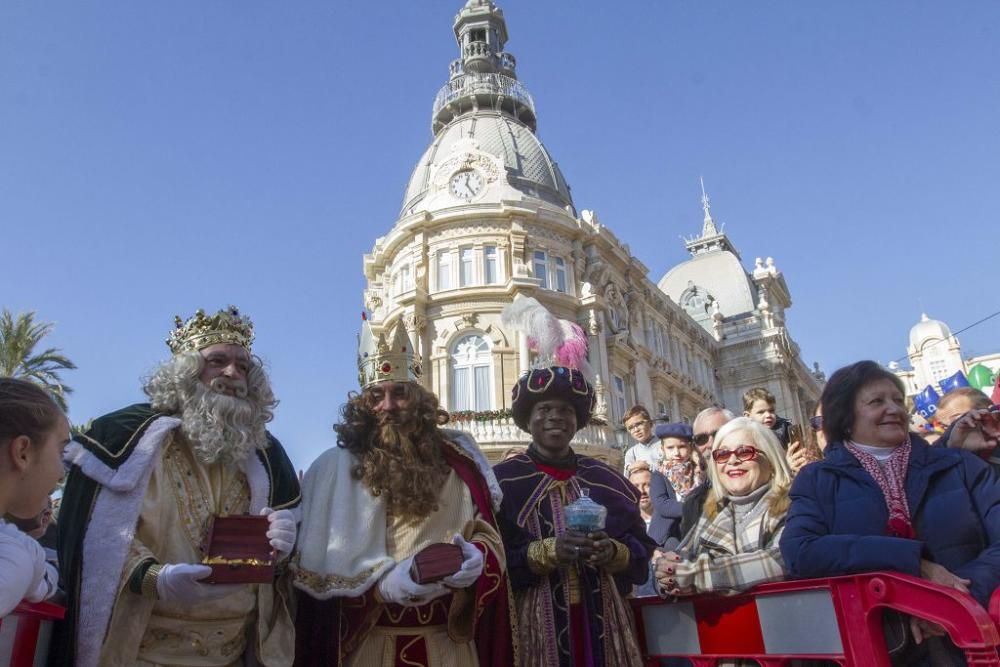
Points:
(783, 429)
(665, 528)
(836, 524)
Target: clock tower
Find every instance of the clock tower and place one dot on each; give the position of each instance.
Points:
(487, 215)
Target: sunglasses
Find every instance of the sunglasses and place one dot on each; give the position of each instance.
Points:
(743, 453)
(816, 423)
(702, 438)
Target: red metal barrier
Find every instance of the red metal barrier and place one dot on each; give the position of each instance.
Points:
(836, 620)
(25, 632)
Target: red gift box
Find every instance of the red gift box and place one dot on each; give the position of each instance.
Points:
(238, 551)
(435, 562)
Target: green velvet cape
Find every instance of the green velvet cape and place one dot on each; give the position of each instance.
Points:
(112, 439)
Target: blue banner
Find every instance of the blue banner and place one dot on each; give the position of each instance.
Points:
(926, 402)
(954, 382)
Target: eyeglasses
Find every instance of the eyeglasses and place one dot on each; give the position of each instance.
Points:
(743, 453)
(816, 423)
(637, 425)
(702, 438)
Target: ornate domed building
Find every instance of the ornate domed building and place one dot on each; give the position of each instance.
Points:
(934, 354)
(487, 215)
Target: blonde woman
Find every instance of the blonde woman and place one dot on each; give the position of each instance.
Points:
(734, 546)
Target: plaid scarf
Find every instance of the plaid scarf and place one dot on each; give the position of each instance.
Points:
(891, 479)
(683, 476)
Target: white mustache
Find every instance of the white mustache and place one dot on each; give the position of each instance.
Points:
(220, 385)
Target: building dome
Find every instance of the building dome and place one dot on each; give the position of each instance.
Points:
(530, 168)
(928, 329)
(720, 275)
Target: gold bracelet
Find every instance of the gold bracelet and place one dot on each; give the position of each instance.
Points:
(542, 556)
(620, 560)
(149, 580)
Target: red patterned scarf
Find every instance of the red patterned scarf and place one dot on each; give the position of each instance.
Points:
(891, 479)
(683, 476)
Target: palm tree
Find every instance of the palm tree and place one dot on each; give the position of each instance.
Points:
(18, 338)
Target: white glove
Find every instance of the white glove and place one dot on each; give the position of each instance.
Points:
(180, 583)
(281, 531)
(472, 565)
(397, 586)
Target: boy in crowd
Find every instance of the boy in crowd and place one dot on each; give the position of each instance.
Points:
(758, 404)
(647, 446)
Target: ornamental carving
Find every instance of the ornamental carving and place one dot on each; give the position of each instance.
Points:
(487, 165)
(460, 228)
(618, 316)
(543, 232)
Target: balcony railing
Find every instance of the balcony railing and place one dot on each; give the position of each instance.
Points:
(501, 433)
(472, 84)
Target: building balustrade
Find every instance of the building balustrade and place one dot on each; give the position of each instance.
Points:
(502, 432)
(477, 50)
(472, 84)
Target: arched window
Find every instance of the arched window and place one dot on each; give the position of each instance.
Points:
(471, 374)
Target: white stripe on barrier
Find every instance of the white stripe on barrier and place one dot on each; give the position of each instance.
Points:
(671, 629)
(42, 645)
(8, 628)
(799, 622)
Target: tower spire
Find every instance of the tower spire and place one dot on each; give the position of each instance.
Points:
(708, 227)
(483, 76)
(711, 238)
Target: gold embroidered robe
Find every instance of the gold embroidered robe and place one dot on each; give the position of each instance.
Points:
(182, 496)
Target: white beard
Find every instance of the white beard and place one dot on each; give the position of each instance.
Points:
(221, 428)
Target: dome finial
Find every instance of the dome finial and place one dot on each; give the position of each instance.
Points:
(708, 228)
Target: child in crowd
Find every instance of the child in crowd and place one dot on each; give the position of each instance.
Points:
(33, 434)
(759, 405)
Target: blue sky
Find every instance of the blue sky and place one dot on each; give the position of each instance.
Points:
(156, 157)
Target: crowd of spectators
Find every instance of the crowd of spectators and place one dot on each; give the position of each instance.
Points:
(856, 492)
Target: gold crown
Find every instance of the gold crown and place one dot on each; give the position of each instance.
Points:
(201, 330)
(385, 361)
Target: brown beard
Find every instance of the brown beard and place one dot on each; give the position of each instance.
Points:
(406, 469)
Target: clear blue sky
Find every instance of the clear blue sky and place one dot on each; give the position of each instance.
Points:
(160, 156)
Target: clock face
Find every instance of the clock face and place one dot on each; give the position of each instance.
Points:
(466, 184)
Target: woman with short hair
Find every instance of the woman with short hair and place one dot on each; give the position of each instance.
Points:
(734, 546)
(882, 499)
(33, 433)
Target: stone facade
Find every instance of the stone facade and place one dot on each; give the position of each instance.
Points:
(487, 215)
(934, 353)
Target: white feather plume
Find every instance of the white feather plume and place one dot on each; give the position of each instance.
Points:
(556, 342)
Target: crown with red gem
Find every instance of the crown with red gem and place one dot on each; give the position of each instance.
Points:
(381, 360)
(201, 330)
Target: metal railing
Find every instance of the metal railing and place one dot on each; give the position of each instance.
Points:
(504, 432)
(468, 85)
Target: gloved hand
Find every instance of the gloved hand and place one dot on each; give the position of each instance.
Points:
(472, 565)
(397, 586)
(281, 531)
(179, 583)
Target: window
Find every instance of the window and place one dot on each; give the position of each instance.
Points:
(444, 270)
(490, 276)
(541, 269)
(661, 408)
(938, 368)
(471, 370)
(618, 389)
(465, 273)
(403, 282)
(477, 35)
(550, 271)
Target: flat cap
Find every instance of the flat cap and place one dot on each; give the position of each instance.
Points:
(673, 430)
